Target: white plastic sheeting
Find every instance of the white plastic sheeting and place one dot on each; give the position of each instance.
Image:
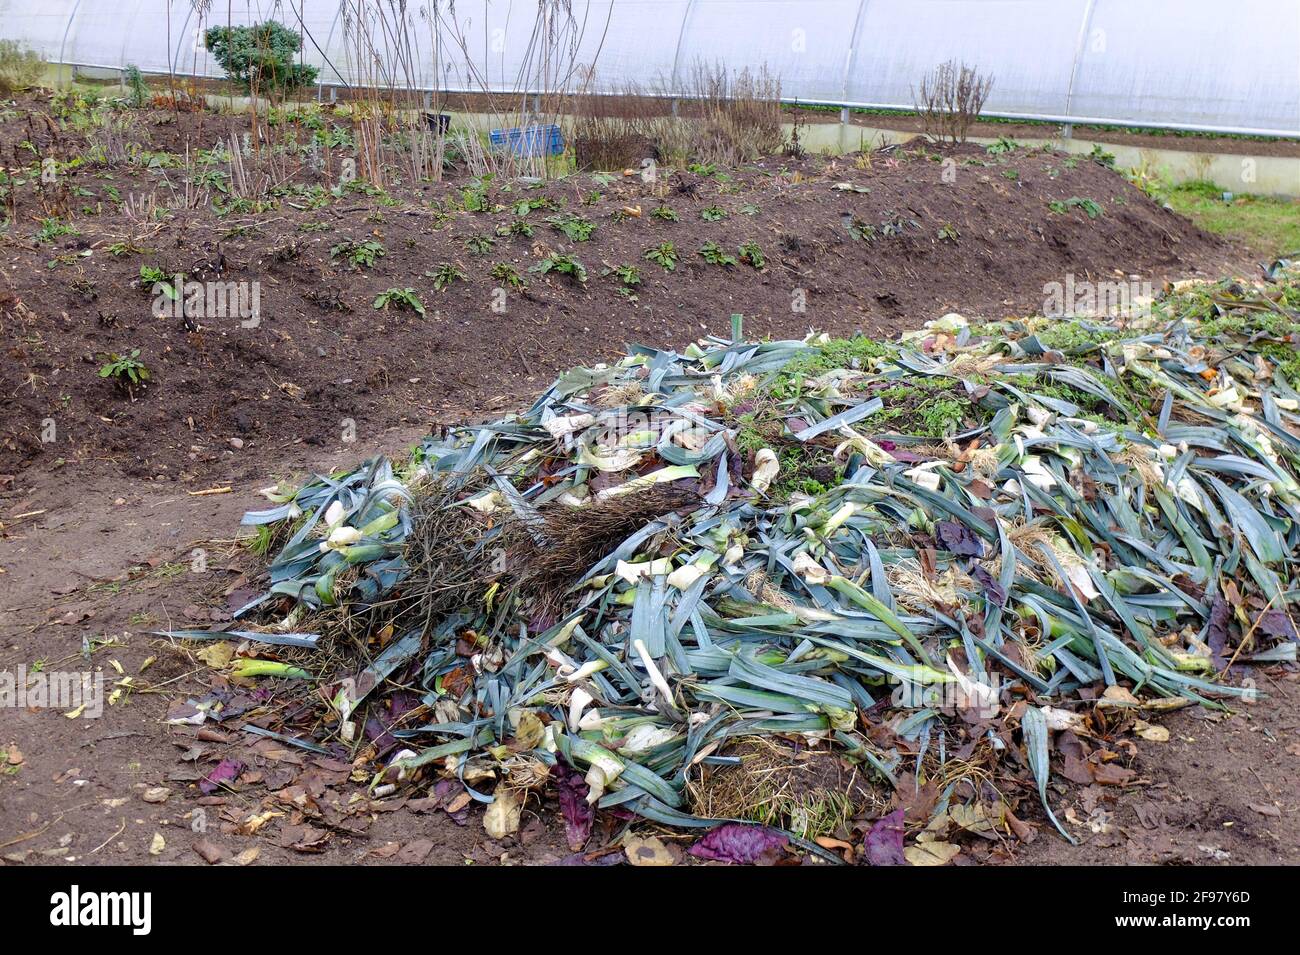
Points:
(1191, 64)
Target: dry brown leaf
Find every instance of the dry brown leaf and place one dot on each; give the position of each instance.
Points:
(931, 853)
(650, 851)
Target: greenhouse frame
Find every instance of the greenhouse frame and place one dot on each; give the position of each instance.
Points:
(1181, 64)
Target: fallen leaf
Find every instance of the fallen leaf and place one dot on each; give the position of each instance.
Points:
(1150, 732)
(210, 852)
(502, 816)
(413, 853)
(739, 843)
(1108, 774)
(931, 853)
(578, 813)
(156, 794)
(217, 655)
(884, 843)
(826, 842)
(157, 845)
(225, 772)
(649, 851)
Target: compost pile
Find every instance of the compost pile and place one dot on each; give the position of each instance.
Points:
(922, 563)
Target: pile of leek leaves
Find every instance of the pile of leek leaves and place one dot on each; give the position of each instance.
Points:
(1126, 497)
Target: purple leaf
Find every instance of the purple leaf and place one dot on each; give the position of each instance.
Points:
(909, 457)
(739, 843)
(1216, 632)
(1275, 623)
(578, 813)
(226, 771)
(992, 589)
(959, 539)
(884, 843)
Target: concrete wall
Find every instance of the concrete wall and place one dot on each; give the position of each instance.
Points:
(1232, 172)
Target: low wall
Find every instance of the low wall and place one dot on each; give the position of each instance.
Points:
(1232, 172)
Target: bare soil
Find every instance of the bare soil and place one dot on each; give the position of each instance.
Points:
(102, 538)
(322, 353)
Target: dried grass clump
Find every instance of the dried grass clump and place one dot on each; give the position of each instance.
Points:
(916, 591)
(576, 538)
(20, 67)
(808, 792)
(611, 132)
(458, 554)
(950, 100)
(729, 118)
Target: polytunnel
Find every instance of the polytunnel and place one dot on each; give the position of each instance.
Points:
(1185, 64)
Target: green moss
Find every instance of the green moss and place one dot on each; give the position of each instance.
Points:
(1074, 336)
(926, 408)
(804, 467)
(852, 353)
(1287, 359)
(1249, 324)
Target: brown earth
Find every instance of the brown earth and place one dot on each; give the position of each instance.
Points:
(322, 354)
(102, 538)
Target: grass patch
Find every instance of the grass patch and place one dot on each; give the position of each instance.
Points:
(808, 468)
(925, 408)
(851, 353)
(1269, 225)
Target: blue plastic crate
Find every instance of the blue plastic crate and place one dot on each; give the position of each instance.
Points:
(540, 140)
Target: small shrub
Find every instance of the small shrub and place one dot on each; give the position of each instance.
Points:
(712, 253)
(751, 253)
(125, 248)
(629, 275)
(151, 275)
(445, 275)
(362, 255)
(20, 67)
(564, 265)
(713, 213)
(128, 372)
(663, 254)
(575, 228)
(1089, 206)
(261, 56)
(137, 91)
(524, 206)
(479, 244)
(519, 227)
(1101, 157)
(51, 229)
(666, 213)
(399, 298)
(506, 273)
(950, 100)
